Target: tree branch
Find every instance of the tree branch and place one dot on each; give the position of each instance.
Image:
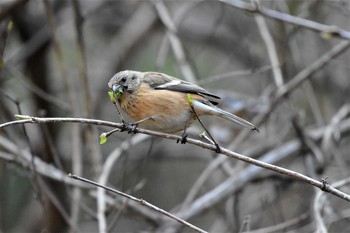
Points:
(141, 202)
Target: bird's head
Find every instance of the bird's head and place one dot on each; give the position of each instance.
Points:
(125, 81)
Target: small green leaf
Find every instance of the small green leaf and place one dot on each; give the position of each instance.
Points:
(189, 99)
(103, 138)
(118, 94)
(22, 117)
(111, 96)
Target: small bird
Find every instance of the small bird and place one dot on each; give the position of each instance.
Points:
(159, 102)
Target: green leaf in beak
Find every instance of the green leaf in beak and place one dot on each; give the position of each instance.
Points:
(111, 96)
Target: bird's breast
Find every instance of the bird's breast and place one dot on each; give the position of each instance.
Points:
(168, 111)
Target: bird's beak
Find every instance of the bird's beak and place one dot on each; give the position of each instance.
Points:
(116, 88)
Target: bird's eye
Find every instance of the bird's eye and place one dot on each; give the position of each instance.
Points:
(123, 79)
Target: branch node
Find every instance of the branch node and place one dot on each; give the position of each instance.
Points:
(70, 175)
(142, 202)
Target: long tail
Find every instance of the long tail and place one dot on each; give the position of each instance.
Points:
(213, 110)
(231, 117)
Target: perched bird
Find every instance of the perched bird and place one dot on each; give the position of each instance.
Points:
(159, 102)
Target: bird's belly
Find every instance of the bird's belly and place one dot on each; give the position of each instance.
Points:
(169, 123)
(167, 111)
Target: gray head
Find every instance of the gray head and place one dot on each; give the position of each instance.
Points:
(126, 80)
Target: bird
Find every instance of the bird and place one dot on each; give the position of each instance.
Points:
(160, 102)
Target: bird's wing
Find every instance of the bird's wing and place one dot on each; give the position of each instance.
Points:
(165, 82)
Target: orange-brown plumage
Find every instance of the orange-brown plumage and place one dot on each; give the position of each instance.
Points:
(166, 113)
(159, 101)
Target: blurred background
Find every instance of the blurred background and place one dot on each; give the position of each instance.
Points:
(56, 59)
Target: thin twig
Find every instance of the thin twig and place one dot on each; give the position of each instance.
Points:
(271, 49)
(140, 201)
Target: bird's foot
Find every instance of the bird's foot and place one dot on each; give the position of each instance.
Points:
(183, 139)
(130, 127)
(218, 149)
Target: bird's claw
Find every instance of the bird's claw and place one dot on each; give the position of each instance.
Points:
(130, 127)
(183, 139)
(218, 149)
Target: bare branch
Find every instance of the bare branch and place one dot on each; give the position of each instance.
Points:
(271, 49)
(141, 202)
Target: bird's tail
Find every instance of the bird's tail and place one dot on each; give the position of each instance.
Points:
(213, 110)
(231, 117)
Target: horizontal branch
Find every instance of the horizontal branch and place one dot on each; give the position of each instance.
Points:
(295, 175)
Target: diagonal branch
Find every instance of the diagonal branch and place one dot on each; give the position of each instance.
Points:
(140, 201)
